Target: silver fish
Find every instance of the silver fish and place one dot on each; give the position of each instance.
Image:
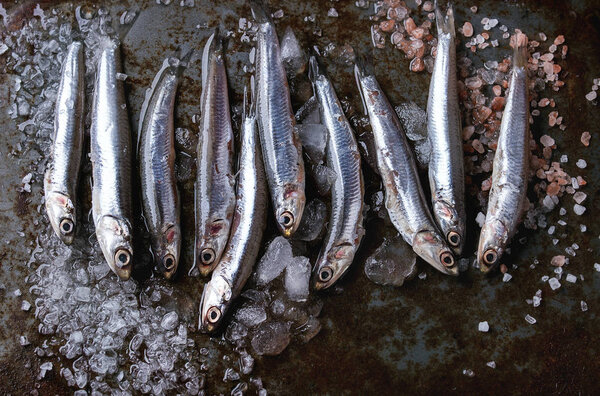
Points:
(345, 229)
(156, 151)
(60, 180)
(446, 167)
(511, 166)
(281, 146)
(110, 142)
(214, 190)
(404, 198)
(247, 229)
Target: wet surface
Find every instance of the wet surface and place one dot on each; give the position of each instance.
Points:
(418, 338)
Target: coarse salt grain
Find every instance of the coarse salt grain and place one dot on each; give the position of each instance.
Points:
(581, 163)
(506, 277)
(491, 364)
(554, 283)
(571, 278)
(584, 306)
(480, 219)
(597, 267)
(591, 95)
(484, 327)
(578, 209)
(530, 319)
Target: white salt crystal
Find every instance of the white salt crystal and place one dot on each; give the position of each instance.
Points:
(578, 209)
(480, 219)
(469, 373)
(23, 340)
(545, 278)
(25, 305)
(597, 267)
(17, 292)
(536, 301)
(484, 327)
(579, 197)
(332, 13)
(564, 158)
(551, 230)
(584, 306)
(562, 211)
(561, 222)
(582, 227)
(506, 277)
(491, 364)
(554, 283)
(591, 95)
(571, 278)
(581, 164)
(530, 319)
(423, 275)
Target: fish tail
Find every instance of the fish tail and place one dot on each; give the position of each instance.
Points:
(445, 23)
(249, 104)
(313, 69)
(259, 12)
(521, 55)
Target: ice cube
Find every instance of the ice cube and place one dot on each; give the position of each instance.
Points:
(275, 259)
(313, 220)
(310, 329)
(297, 277)
(484, 327)
(324, 178)
(314, 140)
(271, 338)
(413, 119)
(169, 321)
(82, 294)
(246, 362)
(292, 55)
(392, 263)
(251, 316)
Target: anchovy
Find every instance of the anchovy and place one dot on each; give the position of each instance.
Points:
(404, 198)
(160, 198)
(110, 142)
(247, 229)
(60, 180)
(281, 146)
(345, 229)
(446, 168)
(214, 190)
(511, 165)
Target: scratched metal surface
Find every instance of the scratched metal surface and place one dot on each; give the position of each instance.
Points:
(413, 339)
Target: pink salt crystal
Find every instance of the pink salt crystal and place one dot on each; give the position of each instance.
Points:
(467, 132)
(428, 6)
(559, 40)
(478, 146)
(473, 82)
(482, 114)
(497, 90)
(547, 141)
(547, 57)
(409, 25)
(585, 138)
(552, 118)
(544, 102)
(558, 261)
(418, 33)
(417, 65)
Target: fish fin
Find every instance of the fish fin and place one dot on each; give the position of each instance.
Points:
(521, 55)
(445, 23)
(259, 11)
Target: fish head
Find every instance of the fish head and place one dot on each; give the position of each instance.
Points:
(289, 208)
(492, 242)
(451, 224)
(114, 236)
(216, 298)
(211, 244)
(166, 251)
(332, 265)
(431, 248)
(61, 212)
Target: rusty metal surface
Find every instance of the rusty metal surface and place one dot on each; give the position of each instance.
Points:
(378, 340)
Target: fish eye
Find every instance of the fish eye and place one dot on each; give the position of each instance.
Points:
(213, 315)
(207, 256)
(454, 238)
(325, 274)
(286, 219)
(490, 257)
(66, 226)
(122, 257)
(169, 262)
(447, 259)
